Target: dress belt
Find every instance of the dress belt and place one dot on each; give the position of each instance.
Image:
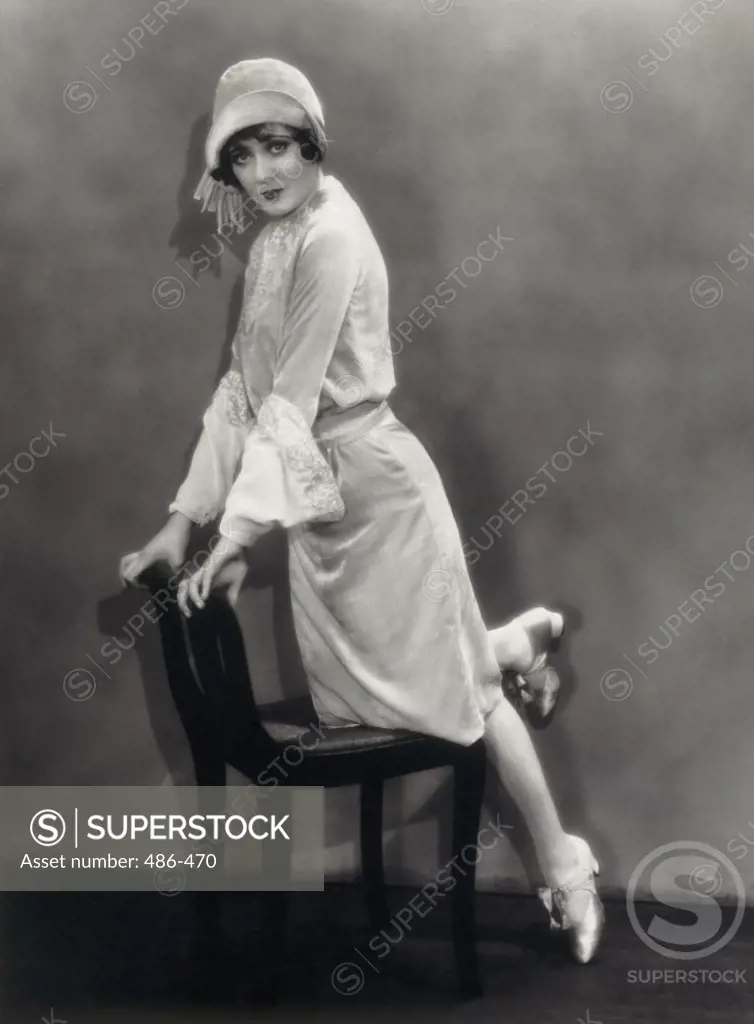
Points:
(339, 425)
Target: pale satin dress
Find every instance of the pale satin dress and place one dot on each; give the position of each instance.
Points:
(299, 433)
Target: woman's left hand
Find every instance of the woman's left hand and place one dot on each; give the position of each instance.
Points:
(196, 589)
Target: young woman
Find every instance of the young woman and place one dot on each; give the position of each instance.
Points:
(300, 434)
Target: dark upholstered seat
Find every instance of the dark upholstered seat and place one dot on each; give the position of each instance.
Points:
(290, 721)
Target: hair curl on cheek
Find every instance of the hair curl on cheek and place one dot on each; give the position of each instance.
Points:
(224, 173)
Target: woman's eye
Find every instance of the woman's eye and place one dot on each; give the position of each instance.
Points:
(278, 148)
(240, 156)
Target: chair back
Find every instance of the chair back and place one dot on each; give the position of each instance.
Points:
(208, 675)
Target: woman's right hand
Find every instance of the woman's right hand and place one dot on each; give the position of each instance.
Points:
(169, 545)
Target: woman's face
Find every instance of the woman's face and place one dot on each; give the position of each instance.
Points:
(272, 171)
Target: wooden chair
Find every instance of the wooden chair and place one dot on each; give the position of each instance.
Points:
(224, 726)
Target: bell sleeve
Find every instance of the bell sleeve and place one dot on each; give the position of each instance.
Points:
(226, 422)
(284, 479)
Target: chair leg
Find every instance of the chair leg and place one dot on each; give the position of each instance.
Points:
(273, 961)
(206, 949)
(371, 854)
(468, 793)
(208, 957)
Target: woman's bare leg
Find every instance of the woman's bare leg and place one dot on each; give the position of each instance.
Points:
(512, 755)
(565, 860)
(517, 766)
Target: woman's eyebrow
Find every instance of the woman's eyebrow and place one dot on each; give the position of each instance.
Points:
(265, 134)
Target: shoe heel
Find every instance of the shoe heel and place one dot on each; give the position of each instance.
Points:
(594, 864)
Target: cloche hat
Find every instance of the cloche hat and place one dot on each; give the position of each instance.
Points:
(248, 93)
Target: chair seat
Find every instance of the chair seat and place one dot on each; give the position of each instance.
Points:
(295, 721)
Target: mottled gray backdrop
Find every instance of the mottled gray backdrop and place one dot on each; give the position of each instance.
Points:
(612, 143)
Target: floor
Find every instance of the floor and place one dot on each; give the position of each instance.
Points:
(116, 957)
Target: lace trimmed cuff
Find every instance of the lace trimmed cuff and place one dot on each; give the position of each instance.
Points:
(236, 404)
(284, 477)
